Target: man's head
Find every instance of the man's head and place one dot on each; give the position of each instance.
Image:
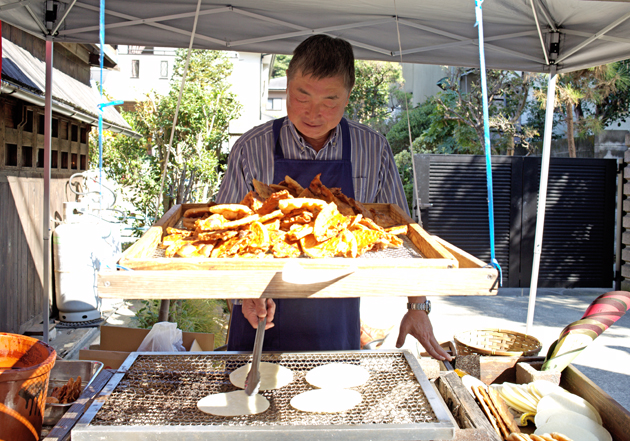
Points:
(320, 78)
(321, 56)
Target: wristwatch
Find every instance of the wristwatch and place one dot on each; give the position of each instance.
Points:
(426, 306)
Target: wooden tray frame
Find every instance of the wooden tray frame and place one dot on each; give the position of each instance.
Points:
(444, 270)
(497, 369)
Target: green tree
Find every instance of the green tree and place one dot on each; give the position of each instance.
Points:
(582, 97)
(192, 172)
(370, 100)
(431, 132)
(507, 98)
(280, 66)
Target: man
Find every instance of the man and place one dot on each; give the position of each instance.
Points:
(315, 138)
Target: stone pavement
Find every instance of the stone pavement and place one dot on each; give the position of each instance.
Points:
(605, 361)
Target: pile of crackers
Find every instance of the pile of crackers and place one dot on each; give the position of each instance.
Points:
(282, 221)
(497, 411)
(67, 393)
(499, 415)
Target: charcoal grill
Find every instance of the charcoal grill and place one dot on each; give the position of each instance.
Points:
(154, 396)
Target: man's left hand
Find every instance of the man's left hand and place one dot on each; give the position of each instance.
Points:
(417, 324)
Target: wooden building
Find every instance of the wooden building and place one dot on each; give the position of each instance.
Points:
(22, 160)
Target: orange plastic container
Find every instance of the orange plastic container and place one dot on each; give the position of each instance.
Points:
(25, 365)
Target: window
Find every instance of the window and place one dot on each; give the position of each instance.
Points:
(40, 158)
(163, 69)
(27, 156)
(274, 104)
(74, 161)
(135, 68)
(11, 157)
(64, 160)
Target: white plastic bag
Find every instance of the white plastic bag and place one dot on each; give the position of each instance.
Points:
(163, 337)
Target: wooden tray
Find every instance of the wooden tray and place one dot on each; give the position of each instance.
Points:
(443, 270)
(496, 369)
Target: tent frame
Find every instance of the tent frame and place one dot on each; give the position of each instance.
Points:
(551, 62)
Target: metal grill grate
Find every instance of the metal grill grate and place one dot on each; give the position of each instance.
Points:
(163, 390)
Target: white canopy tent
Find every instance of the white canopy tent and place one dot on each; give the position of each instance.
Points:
(551, 36)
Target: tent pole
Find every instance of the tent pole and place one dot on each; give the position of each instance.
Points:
(46, 249)
(542, 194)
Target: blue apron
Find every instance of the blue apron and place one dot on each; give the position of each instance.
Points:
(306, 324)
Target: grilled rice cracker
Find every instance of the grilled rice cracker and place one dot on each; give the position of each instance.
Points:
(263, 190)
(503, 410)
(188, 250)
(366, 239)
(232, 212)
(350, 240)
(313, 205)
(398, 230)
(233, 246)
(322, 192)
(371, 224)
(178, 231)
(258, 239)
(298, 231)
(205, 248)
(174, 247)
(505, 432)
(281, 247)
(316, 249)
(215, 235)
(296, 217)
(196, 212)
(253, 201)
(214, 222)
(272, 225)
(342, 202)
(169, 240)
(271, 216)
(307, 194)
(329, 223)
(271, 204)
(294, 186)
(343, 245)
(486, 409)
(218, 225)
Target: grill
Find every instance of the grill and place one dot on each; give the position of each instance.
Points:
(157, 394)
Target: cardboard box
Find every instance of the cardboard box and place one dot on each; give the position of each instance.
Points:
(118, 342)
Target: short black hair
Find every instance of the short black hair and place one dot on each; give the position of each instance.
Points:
(322, 56)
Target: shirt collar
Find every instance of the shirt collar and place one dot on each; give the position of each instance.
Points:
(331, 143)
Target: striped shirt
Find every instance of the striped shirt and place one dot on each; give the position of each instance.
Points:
(374, 172)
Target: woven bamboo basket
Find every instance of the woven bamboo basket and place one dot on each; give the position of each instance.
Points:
(496, 342)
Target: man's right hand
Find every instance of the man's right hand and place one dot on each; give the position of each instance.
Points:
(255, 309)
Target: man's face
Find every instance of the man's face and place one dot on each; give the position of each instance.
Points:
(315, 106)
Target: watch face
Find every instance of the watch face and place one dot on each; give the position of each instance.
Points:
(428, 306)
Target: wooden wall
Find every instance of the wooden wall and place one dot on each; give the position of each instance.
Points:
(70, 58)
(21, 203)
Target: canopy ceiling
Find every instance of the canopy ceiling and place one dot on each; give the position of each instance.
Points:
(431, 31)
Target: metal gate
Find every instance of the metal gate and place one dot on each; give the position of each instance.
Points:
(578, 240)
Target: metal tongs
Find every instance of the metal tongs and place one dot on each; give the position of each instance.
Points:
(252, 382)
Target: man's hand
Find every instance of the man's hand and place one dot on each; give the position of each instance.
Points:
(417, 324)
(254, 309)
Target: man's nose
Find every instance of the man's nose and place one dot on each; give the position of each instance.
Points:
(314, 109)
